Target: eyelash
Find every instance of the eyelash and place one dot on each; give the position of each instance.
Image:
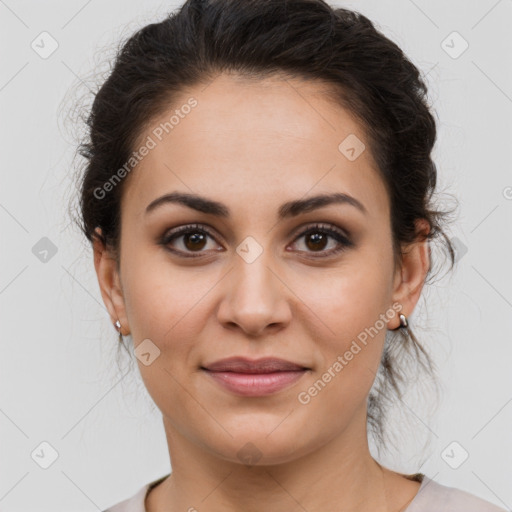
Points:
(329, 230)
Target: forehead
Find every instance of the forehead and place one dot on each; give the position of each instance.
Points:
(255, 141)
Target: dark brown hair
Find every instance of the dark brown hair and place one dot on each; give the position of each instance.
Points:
(368, 74)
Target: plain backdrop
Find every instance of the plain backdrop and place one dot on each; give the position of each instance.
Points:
(64, 401)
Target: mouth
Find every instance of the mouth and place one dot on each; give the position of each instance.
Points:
(261, 377)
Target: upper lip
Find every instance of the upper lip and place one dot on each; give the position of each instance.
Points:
(246, 365)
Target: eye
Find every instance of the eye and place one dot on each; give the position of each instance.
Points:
(194, 239)
(317, 238)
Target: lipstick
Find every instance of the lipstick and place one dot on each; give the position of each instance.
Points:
(254, 377)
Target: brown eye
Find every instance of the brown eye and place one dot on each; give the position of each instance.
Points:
(194, 241)
(187, 239)
(317, 239)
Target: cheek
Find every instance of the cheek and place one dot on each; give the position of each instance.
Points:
(158, 295)
(353, 305)
(350, 298)
(170, 307)
(164, 306)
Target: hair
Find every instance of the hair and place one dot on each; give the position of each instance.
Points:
(367, 74)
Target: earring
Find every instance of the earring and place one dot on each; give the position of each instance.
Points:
(117, 325)
(403, 321)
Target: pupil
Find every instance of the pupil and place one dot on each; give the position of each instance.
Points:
(317, 239)
(194, 239)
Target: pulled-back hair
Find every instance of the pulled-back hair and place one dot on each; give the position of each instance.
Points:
(367, 74)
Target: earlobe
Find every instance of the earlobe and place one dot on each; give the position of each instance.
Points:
(410, 277)
(109, 282)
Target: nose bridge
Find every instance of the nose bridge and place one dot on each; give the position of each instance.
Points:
(253, 286)
(253, 277)
(254, 298)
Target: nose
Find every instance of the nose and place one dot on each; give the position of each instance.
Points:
(255, 298)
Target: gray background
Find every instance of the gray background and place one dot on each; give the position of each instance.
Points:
(58, 378)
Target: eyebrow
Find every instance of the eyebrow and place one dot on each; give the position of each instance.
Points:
(286, 210)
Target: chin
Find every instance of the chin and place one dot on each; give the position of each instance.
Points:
(261, 447)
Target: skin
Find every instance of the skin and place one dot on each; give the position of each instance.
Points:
(253, 145)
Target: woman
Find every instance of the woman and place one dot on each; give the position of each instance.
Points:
(257, 194)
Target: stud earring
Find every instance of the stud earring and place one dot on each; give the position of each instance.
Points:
(117, 325)
(403, 321)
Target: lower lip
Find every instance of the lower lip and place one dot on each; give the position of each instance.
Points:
(256, 384)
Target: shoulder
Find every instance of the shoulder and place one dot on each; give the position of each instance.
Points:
(136, 502)
(442, 498)
(132, 504)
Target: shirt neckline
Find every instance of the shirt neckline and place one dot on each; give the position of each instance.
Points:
(416, 477)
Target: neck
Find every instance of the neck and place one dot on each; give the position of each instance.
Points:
(341, 474)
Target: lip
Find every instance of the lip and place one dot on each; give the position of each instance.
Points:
(254, 377)
(246, 365)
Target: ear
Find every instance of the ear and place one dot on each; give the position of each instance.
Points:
(109, 282)
(410, 277)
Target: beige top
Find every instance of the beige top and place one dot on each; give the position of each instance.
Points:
(431, 497)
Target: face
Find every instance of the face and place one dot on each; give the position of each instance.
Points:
(312, 283)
